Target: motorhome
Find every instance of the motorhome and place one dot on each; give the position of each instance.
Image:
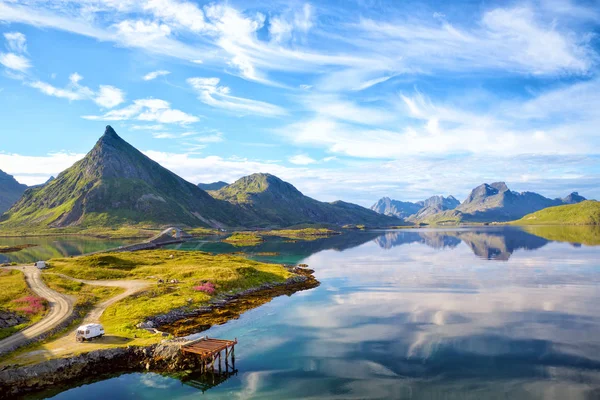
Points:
(41, 265)
(89, 332)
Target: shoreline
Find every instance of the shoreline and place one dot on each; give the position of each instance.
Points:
(163, 357)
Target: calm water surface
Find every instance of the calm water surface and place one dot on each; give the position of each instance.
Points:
(47, 247)
(494, 313)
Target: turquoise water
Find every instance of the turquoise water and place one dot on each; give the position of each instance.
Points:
(481, 313)
(47, 247)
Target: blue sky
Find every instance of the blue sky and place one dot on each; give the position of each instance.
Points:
(344, 99)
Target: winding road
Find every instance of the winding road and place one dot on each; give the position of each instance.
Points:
(61, 307)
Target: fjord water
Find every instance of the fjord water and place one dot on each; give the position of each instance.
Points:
(473, 313)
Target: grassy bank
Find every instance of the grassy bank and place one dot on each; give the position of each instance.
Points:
(584, 213)
(98, 232)
(15, 296)
(301, 234)
(242, 239)
(199, 277)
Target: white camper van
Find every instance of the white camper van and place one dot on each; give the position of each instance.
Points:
(41, 264)
(89, 332)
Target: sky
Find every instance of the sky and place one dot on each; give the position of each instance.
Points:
(345, 99)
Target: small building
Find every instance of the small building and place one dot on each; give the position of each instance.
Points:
(41, 265)
(89, 332)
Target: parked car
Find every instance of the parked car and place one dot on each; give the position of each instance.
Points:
(89, 332)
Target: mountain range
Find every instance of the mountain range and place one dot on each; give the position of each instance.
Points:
(406, 209)
(117, 185)
(488, 203)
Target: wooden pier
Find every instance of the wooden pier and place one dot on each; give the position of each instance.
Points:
(210, 352)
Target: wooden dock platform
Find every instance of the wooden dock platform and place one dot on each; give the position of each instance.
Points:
(209, 351)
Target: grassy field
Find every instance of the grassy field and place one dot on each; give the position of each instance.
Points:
(196, 272)
(584, 213)
(301, 234)
(86, 295)
(242, 239)
(14, 288)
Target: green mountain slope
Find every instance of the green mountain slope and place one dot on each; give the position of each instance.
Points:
(272, 201)
(115, 184)
(584, 213)
(10, 191)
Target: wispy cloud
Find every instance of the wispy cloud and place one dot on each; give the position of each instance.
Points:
(302, 159)
(107, 96)
(150, 110)
(16, 42)
(213, 94)
(155, 74)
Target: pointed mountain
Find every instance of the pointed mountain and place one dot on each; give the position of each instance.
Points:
(115, 184)
(573, 198)
(212, 186)
(10, 191)
(273, 201)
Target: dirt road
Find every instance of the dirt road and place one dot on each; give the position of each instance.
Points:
(61, 307)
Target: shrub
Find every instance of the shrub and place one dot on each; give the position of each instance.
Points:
(30, 304)
(206, 287)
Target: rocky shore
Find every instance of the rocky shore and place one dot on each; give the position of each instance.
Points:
(184, 321)
(163, 357)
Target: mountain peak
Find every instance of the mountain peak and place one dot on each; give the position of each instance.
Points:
(110, 132)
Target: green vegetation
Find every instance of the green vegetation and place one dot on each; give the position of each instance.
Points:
(190, 269)
(242, 239)
(584, 213)
(588, 235)
(196, 232)
(301, 234)
(87, 295)
(14, 288)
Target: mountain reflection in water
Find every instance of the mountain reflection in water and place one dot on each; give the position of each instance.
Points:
(413, 314)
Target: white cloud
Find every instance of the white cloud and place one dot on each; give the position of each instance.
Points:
(109, 96)
(218, 96)
(283, 27)
(150, 110)
(302, 159)
(15, 62)
(71, 92)
(33, 170)
(16, 42)
(155, 74)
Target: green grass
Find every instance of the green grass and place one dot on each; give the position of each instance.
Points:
(125, 232)
(244, 239)
(87, 295)
(226, 272)
(584, 213)
(14, 287)
(301, 234)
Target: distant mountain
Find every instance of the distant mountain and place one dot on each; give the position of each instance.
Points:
(496, 202)
(10, 191)
(272, 201)
(397, 208)
(116, 184)
(582, 213)
(406, 209)
(45, 183)
(212, 186)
